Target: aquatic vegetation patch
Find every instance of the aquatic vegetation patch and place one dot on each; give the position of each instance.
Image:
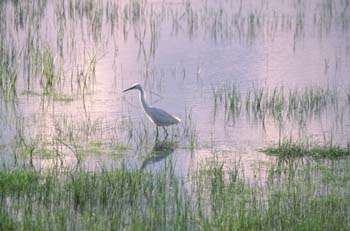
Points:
(18, 180)
(56, 96)
(29, 93)
(50, 74)
(297, 149)
(98, 147)
(92, 148)
(128, 199)
(279, 103)
(62, 97)
(8, 71)
(120, 147)
(118, 150)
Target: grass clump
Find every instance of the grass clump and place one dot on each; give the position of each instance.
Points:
(49, 75)
(62, 97)
(288, 149)
(129, 199)
(279, 103)
(30, 93)
(118, 149)
(91, 149)
(56, 96)
(7, 223)
(17, 181)
(118, 199)
(8, 71)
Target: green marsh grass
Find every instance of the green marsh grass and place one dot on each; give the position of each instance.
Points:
(85, 74)
(291, 149)
(62, 97)
(50, 75)
(216, 198)
(8, 71)
(280, 103)
(230, 96)
(118, 149)
(189, 132)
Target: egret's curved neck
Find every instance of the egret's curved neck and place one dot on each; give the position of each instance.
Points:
(143, 100)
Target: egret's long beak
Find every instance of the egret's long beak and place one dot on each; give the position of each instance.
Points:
(128, 89)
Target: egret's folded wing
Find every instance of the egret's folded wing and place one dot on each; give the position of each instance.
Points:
(162, 118)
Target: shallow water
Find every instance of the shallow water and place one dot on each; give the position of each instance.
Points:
(179, 51)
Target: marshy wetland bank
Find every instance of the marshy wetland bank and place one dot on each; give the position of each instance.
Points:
(262, 89)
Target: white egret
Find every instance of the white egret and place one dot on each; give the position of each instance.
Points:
(158, 116)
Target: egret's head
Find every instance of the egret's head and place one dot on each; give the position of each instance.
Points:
(134, 86)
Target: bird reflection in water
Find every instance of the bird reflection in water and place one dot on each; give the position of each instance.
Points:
(160, 151)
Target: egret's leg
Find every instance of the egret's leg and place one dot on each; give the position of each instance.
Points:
(166, 132)
(157, 133)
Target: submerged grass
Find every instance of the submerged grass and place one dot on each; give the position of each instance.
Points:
(280, 103)
(8, 71)
(289, 149)
(56, 96)
(128, 199)
(118, 149)
(50, 74)
(62, 97)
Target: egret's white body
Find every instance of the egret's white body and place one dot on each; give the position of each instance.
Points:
(158, 116)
